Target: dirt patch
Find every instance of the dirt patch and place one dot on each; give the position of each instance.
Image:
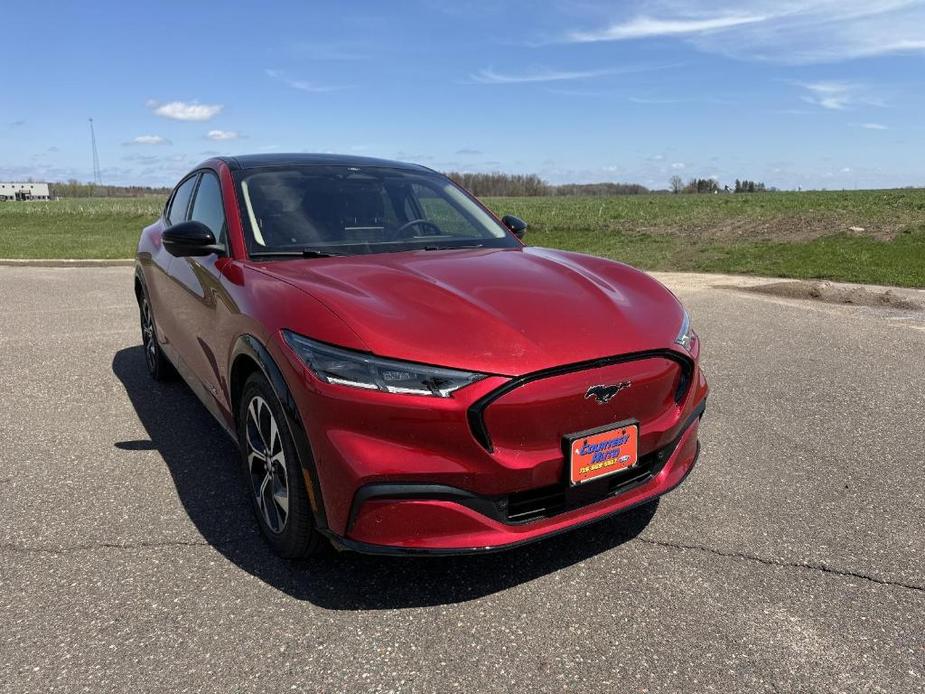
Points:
(782, 228)
(837, 294)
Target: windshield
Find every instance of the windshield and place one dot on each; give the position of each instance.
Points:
(340, 210)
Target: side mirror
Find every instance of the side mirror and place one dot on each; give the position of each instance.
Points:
(190, 239)
(517, 226)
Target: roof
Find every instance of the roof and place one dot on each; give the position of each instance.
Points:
(255, 161)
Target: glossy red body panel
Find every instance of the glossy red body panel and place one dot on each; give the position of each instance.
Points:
(502, 312)
(531, 420)
(444, 525)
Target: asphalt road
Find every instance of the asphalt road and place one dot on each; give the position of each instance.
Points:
(793, 559)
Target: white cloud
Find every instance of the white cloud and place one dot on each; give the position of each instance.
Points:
(148, 140)
(831, 95)
(223, 135)
(491, 76)
(874, 126)
(783, 31)
(678, 165)
(838, 96)
(652, 100)
(182, 110)
(646, 27)
(303, 85)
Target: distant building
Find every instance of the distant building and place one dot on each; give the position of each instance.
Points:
(23, 191)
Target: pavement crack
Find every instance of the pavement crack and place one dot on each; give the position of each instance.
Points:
(90, 547)
(809, 566)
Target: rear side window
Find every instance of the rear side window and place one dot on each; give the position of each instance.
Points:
(180, 201)
(207, 208)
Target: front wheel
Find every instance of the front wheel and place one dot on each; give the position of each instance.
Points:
(158, 365)
(273, 474)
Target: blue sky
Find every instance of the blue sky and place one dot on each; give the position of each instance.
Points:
(825, 93)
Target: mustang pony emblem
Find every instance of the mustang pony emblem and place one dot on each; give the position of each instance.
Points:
(604, 394)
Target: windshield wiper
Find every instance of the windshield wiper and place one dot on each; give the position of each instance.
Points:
(312, 253)
(303, 253)
(453, 248)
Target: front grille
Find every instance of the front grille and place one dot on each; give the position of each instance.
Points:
(516, 415)
(534, 504)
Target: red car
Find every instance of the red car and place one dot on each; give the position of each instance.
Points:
(403, 375)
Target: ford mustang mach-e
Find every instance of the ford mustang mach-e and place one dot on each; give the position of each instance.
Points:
(401, 373)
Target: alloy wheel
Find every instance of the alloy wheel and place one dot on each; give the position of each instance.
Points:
(148, 337)
(266, 463)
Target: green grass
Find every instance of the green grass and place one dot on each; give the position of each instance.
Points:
(786, 213)
(75, 228)
(840, 257)
(803, 235)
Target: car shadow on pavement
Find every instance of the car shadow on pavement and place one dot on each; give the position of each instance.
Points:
(204, 465)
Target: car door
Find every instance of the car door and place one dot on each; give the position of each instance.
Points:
(161, 289)
(202, 303)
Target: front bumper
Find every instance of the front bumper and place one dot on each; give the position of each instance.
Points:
(398, 519)
(407, 474)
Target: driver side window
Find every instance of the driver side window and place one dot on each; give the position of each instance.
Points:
(208, 208)
(437, 209)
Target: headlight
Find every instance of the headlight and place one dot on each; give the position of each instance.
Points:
(686, 334)
(359, 370)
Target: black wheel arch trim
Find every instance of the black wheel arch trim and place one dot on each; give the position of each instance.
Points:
(476, 411)
(139, 279)
(250, 346)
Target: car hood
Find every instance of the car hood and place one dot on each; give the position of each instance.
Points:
(501, 311)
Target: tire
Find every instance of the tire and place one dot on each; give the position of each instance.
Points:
(274, 482)
(159, 367)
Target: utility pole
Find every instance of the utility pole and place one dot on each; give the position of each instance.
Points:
(97, 174)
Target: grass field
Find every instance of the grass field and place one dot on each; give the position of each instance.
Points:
(805, 235)
(75, 228)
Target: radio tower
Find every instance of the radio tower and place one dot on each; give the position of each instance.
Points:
(97, 175)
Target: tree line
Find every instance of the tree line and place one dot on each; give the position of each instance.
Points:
(501, 184)
(480, 184)
(711, 185)
(600, 189)
(694, 185)
(76, 189)
(747, 186)
(531, 185)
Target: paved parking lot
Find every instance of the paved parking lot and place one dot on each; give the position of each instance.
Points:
(793, 558)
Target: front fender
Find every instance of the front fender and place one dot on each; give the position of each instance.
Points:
(249, 347)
